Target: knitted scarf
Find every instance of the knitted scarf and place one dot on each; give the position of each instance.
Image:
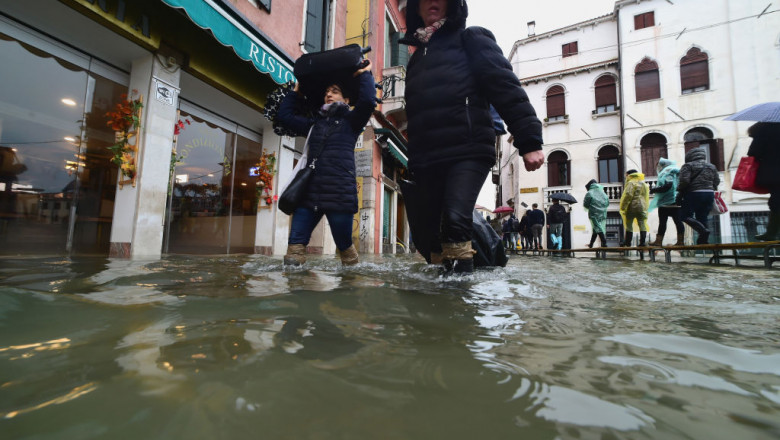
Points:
(424, 34)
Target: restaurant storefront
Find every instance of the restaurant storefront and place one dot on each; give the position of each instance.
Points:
(67, 65)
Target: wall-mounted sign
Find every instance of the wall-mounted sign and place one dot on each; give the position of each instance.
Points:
(164, 92)
(363, 162)
(582, 228)
(528, 190)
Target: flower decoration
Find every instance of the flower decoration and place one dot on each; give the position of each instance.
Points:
(266, 169)
(125, 120)
(179, 126)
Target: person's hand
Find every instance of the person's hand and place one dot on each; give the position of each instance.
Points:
(297, 87)
(366, 68)
(533, 160)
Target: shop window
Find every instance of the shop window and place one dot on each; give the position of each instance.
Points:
(703, 137)
(558, 169)
(609, 165)
(694, 72)
(653, 147)
(569, 49)
(556, 104)
(645, 20)
(317, 25)
(647, 81)
(606, 94)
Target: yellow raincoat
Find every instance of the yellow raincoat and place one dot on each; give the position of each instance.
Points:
(634, 202)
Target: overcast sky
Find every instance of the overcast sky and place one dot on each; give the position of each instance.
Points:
(508, 19)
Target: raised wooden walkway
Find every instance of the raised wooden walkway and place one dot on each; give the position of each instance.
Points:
(719, 251)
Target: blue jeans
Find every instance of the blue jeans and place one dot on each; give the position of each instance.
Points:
(304, 220)
(697, 205)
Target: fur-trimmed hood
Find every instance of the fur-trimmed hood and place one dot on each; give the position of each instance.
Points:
(457, 12)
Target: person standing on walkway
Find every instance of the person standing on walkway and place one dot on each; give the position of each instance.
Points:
(506, 229)
(698, 182)
(452, 78)
(525, 232)
(633, 206)
(665, 198)
(596, 203)
(536, 221)
(766, 149)
(556, 216)
(515, 232)
(332, 188)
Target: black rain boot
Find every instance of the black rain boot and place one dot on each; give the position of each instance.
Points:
(629, 238)
(642, 238)
(463, 266)
(704, 233)
(603, 239)
(772, 228)
(592, 240)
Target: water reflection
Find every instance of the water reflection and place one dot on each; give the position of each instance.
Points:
(233, 346)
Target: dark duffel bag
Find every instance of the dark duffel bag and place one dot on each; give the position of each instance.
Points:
(318, 70)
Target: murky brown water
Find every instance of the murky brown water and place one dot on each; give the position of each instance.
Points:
(232, 347)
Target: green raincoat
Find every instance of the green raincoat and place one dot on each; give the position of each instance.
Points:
(597, 202)
(668, 173)
(634, 202)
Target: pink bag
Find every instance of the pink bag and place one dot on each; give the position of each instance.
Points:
(719, 206)
(745, 177)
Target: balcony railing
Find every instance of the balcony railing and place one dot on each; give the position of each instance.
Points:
(393, 88)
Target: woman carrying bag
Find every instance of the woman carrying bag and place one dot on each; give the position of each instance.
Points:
(766, 149)
(699, 180)
(332, 187)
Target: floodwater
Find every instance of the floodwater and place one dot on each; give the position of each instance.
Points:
(233, 347)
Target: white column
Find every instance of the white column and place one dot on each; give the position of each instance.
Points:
(139, 212)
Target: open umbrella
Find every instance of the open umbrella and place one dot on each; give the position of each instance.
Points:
(503, 209)
(563, 197)
(766, 112)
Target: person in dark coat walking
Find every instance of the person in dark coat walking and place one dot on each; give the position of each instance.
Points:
(699, 180)
(453, 77)
(556, 216)
(332, 189)
(536, 222)
(766, 149)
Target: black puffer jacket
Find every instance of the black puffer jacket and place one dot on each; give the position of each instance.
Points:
(697, 174)
(450, 83)
(333, 186)
(766, 149)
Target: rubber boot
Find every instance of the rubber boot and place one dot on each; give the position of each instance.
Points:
(603, 239)
(349, 256)
(458, 257)
(296, 255)
(659, 240)
(592, 240)
(704, 233)
(772, 228)
(642, 238)
(629, 239)
(680, 240)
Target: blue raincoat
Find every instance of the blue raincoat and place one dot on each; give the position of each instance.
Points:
(668, 174)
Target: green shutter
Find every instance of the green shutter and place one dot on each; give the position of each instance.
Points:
(315, 26)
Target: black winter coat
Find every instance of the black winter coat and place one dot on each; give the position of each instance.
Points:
(766, 149)
(333, 185)
(450, 83)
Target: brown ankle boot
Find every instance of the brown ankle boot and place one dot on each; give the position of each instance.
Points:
(296, 255)
(659, 240)
(680, 240)
(457, 254)
(349, 256)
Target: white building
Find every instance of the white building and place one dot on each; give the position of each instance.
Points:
(679, 69)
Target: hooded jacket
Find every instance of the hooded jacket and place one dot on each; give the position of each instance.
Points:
(666, 187)
(450, 83)
(636, 196)
(697, 174)
(766, 149)
(596, 202)
(333, 185)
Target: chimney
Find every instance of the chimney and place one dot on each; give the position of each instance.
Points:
(531, 28)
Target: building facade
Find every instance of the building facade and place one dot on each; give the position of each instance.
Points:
(647, 81)
(201, 71)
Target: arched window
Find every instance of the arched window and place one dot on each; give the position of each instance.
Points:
(556, 103)
(702, 137)
(694, 71)
(609, 165)
(558, 169)
(646, 80)
(653, 148)
(606, 94)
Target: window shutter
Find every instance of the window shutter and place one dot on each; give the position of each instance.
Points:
(639, 22)
(266, 4)
(717, 156)
(647, 86)
(552, 173)
(556, 102)
(694, 75)
(645, 20)
(315, 16)
(606, 93)
(691, 145)
(399, 52)
(569, 49)
(650, 156)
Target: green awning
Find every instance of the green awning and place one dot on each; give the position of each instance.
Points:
(230, 32)
(396, 146)
(395, 151)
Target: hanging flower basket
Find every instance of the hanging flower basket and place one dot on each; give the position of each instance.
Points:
(125, 120)
(266, 169)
